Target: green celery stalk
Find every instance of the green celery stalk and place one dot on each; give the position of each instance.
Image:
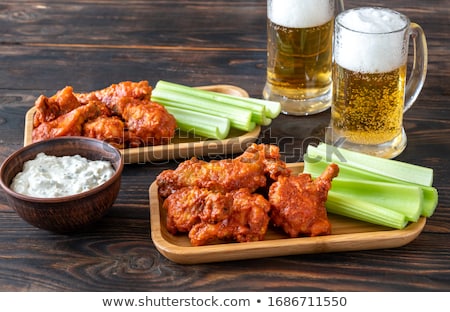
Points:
(405, 199)
(205, 101)
(270, 109)
(201, 124)
(266, 121)
(348, 206)
(430, 201)
(316, 165)
(239, 118)
(387, 167)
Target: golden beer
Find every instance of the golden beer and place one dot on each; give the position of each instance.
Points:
(299, 60)
(299, 54)
(370, 89)
(368, 107)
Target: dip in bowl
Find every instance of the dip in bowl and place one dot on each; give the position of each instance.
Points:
(64, 213)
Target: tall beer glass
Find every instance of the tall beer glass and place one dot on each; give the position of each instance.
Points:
(299, 54)
(370, 93)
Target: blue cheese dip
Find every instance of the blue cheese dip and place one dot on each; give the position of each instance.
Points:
(52, 176)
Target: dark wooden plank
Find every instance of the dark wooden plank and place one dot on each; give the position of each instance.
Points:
(126, 260)
(46, 45)
(85, 68)
(168, 23)
(184, 23)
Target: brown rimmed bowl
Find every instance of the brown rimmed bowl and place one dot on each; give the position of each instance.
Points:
(68, 213)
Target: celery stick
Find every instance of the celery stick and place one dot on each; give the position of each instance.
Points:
(269, 109)
(316, 165)
(348, 206)
(266, 121)
(430, 201)
(257, 110)
(388, 167)
(204, 100)
(239, 118)
(405, 199)
(366, 172)
(201, 124)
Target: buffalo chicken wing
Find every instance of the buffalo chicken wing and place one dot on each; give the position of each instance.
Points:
(123, 116)
(68, 124)
(48, 109)
(108, 129)
(298, 203)
(208, 216)
(148, 123)
(117, 96)
(237, 199)
(251, 170)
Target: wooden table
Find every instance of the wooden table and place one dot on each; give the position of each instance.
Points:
(46, 45)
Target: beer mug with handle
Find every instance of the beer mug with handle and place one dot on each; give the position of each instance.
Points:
(370, 91)
(299, 54)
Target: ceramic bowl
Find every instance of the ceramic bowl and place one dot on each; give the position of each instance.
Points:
(68, 213)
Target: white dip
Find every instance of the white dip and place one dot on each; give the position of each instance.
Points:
(52, 176)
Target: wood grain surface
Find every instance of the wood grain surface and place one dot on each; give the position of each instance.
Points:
(46, 45)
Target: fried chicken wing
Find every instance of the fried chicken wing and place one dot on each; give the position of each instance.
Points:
(148, 123)
(207, 215)
(269, 156)
(69, 124)
(250, 170)
(298, 203)
(220, 176)
(246, 220)
(117, 96)
(48, 109)
(106, 128)
(236, 199)
(124, 117)
(190, 205)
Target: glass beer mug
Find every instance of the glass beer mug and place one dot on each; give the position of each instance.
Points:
(370, 93)
(299, 54)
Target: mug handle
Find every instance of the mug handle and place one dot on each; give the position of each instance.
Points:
(419, 68)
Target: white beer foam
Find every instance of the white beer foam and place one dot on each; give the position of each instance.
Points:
(300, 13)
(371, 40)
